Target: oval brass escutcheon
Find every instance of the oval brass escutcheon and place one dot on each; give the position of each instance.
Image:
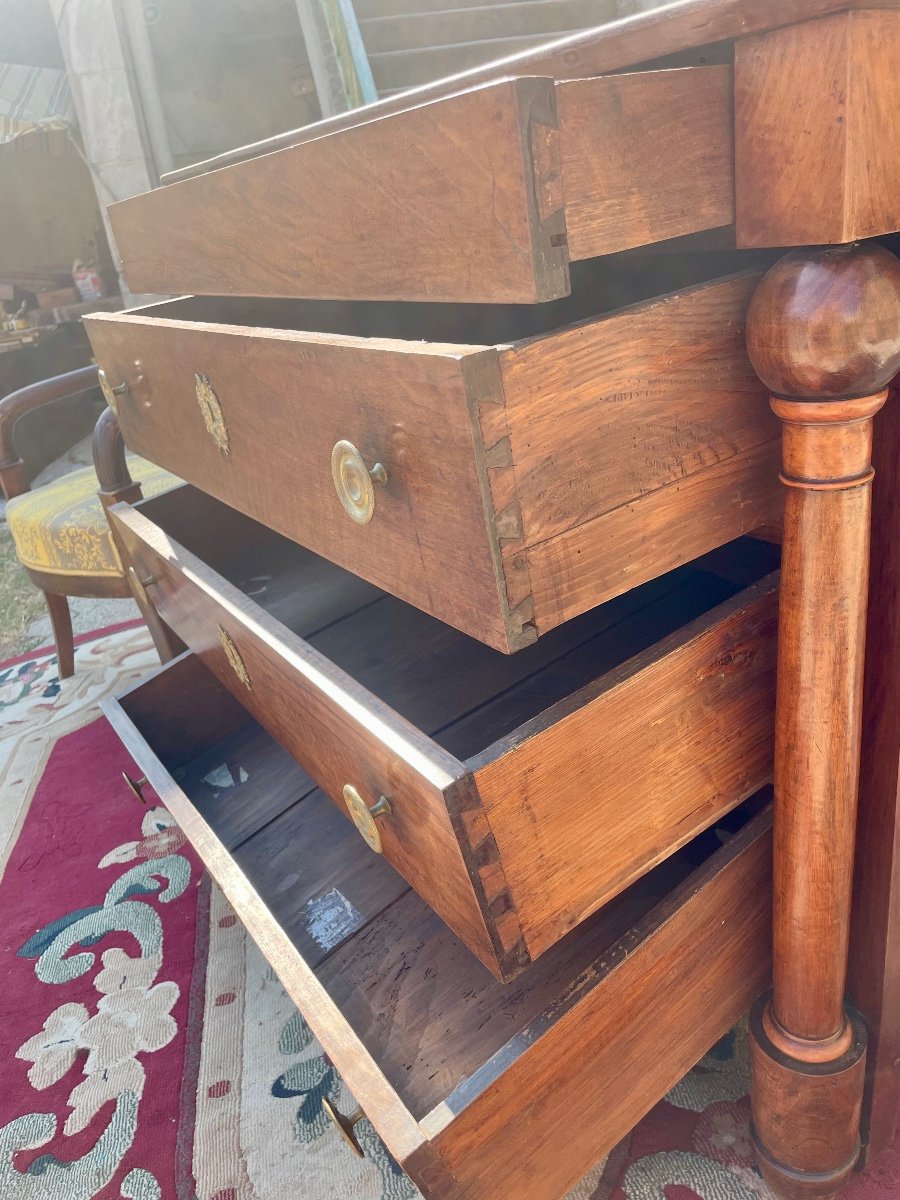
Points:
(136, 786)
(234, 658)
(344, 1125)
(354, 482)
(365, 816)
(111, 393)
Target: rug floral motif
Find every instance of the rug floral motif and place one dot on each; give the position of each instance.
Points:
(148, 1051)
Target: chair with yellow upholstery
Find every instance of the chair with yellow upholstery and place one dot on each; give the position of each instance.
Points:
(60, 530)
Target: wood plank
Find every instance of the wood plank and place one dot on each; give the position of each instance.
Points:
(432, 1016)
(303, 591)
(318, 878)
(605, 412)
(657, 1003)
(687, 733)
(242, 782)
(654, 615)
(452, 201)
(606, 556)
(336, 729)
(286, 399)
(645, 157)
(817, 149)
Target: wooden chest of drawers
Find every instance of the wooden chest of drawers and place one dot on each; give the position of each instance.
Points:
(489, 369)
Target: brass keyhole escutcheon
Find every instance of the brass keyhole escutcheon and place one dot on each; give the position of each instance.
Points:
(234, 658)
(211, 410)
(136, 786)
(344, 1125)
(354, 482)
(111, 393)
(365, 816)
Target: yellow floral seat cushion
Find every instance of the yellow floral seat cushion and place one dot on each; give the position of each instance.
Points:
(61, 528)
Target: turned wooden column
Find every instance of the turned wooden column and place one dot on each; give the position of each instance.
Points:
(823, 333)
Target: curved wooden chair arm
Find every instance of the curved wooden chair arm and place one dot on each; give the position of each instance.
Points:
(13, 479)
(110, 464)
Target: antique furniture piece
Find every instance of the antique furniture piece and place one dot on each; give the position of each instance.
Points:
(60, 531)
(492, 367)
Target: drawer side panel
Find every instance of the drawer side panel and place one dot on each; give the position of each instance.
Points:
(670, 741)
(440, 202)
(611, 410)
(655, 1010)
(628, 545)
(645, 157)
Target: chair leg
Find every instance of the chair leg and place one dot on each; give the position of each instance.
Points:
(61, 621)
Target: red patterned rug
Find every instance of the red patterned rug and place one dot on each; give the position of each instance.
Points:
(147, 1052)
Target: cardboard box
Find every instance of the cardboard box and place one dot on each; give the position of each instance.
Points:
(59, 298)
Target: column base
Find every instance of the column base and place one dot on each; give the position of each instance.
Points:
(805, 1115)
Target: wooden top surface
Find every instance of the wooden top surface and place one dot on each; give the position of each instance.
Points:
(614, 46)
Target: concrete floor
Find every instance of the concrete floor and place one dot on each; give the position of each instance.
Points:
(87, 614)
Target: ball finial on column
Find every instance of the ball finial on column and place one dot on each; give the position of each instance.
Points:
(824, 324)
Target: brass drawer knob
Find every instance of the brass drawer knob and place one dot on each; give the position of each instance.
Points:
(344, 1125)
(140, 585)
(365, 816)
(111, 393)
(355, 483)
(136, 786)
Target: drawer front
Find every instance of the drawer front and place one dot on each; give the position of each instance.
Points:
(261, 419)
(341, 734)
(484, 196)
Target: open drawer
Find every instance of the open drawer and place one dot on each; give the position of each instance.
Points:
(484, 196)
(479, 1090)
(502, 469)
(516, 794)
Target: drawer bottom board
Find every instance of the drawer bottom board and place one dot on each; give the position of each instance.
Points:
(436, 1050)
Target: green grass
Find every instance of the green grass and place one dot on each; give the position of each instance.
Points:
(20, 601)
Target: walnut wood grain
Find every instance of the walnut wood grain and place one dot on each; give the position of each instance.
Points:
(457, 200)
(824, 334)
(453, 1069)
(624, 547)
(130, 716)
(638, 1029)
(817, 131)
(607, 412)
(573, 827)
(286, 400)
(645, 157)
